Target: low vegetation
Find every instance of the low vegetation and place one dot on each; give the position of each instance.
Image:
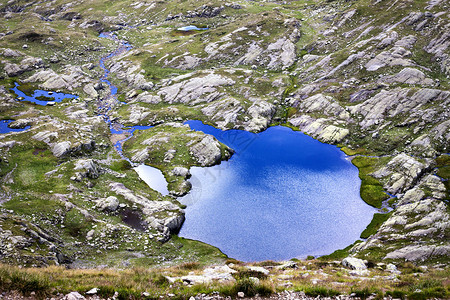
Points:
(314, 278)
(372, 191)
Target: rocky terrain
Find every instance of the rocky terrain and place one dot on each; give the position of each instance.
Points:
(371, 77)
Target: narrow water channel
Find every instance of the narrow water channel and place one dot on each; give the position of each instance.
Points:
(152, 176)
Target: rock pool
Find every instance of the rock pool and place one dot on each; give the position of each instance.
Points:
(282, 195)
(4, 127)
(41, 97)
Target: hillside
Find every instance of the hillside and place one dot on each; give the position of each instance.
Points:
(371, 77)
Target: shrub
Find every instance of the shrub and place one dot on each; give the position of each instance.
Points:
(320, 291)
(12, 279)
(248, 287)
(396, 294)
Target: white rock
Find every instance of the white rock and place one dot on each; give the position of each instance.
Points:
(258, 269)
(108, 204)
(74, 296)
(92, 291)
(354, 263)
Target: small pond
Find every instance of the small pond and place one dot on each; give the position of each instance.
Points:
(153, 177)
(5, 129)
(41, 97)
(282, 195)
(191, 27)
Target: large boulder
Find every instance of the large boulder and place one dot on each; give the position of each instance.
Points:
(181, 171)
(419, 252)
(207, 151)
(174, 223)
(354, 263)
(320, 129)
(108, 204)
(87, 168)
(412, 76)
(357, 266)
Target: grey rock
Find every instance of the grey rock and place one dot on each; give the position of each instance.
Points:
(258, 269)
(406, 42)
(147, 97)
(287, 265)
(20, 123)
(174, 223)
(60, 149)
(74, 296)
(71, 77)
(354, 263)
(181, 171)
(396, 57)
(27, 64)
(402, 170)
(321, 104)
(415, 17)
(224, 112)
(391, 103)
(195, 90)
(320, 129)
(88, 167)
(221, 274)
(282, 53)
(392, 268)
(207, 151)
(92, 291)
(90, 90)
(110, 203)
(261, 113)
(412, 76)
(90, 235)
(12, 53)
(419, 252)
(389, 40)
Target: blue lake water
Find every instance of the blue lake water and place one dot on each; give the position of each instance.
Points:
(5, 129)
(53, 96)
(282, 195)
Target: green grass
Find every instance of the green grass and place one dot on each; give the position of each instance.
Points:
(14, 279)
(372, 191)
(338, 254)
(443, 165)
(377, 221)
(154, 72)
(131, 282)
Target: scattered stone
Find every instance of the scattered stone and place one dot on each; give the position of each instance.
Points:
(392, 268)
(258, 269)
(74, 296)
(93, 291)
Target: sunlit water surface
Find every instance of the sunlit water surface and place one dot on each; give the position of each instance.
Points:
(282, 195)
